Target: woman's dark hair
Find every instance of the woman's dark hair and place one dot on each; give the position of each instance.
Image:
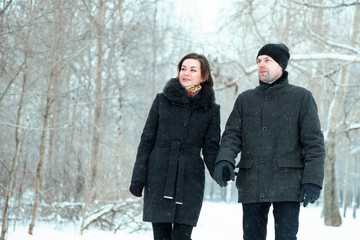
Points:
(205, 68)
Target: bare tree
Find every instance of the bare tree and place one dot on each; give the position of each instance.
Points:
(50, 98)
(90, 192)
(17, 139)
(331, 207)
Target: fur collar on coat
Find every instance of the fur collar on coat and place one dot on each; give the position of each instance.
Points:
(176, 93)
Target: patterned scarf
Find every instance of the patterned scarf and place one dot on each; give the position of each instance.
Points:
(194, 90)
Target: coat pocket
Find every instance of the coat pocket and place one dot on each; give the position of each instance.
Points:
(288, 177)
(290, 163)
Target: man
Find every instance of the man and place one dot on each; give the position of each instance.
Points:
(277, 130)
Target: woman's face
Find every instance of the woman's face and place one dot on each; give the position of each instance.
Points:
(190, 73)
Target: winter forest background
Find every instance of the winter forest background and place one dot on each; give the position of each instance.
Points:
(77, 79)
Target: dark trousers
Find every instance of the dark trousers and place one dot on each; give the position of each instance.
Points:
(171, 231)
(286, 219)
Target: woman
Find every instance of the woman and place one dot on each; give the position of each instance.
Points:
(183, 121)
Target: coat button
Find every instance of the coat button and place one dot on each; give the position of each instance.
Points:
(261, 163)
(265, 129)
(267, 98)
(185, 124)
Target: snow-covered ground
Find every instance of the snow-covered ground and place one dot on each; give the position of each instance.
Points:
(217, 221)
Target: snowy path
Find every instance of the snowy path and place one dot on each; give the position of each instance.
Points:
(217, 221)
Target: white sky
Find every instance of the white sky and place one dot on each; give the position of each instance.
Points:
(205, 14)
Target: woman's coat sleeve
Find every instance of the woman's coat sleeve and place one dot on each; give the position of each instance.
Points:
(212, 139)
(146, 144)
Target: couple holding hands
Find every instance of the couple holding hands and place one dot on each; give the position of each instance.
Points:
(274, 126)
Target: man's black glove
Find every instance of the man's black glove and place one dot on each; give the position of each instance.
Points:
(309, 193)
(223, 172)
(136, 188)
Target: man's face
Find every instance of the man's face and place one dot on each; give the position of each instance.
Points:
(268, 69)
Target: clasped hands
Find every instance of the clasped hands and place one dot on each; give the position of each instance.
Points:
(223, 172)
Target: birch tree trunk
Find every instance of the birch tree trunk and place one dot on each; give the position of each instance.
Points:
(154, 51)
(98, 97)
(49, 101)
(356, 197)
(20, 192)
(44, 135)
(346, 181)
(317, 86)
(95, 148)
(17, 141)
(331, 206)
(120, 75)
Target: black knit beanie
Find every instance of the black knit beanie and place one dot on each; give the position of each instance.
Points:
(277, 51)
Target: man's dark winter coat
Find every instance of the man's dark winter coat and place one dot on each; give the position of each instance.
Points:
(168, 159)
(277, 130)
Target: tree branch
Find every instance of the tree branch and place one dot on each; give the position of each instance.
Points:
(35, 129)
(327, 7)
(247, 73)
(11, 81)
(4, 9)
(331, 44)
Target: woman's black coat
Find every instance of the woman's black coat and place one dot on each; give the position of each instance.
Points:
(168, 161)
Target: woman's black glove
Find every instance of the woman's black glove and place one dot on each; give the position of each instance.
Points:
(223, 172)
(309, 193)
(136, 188)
